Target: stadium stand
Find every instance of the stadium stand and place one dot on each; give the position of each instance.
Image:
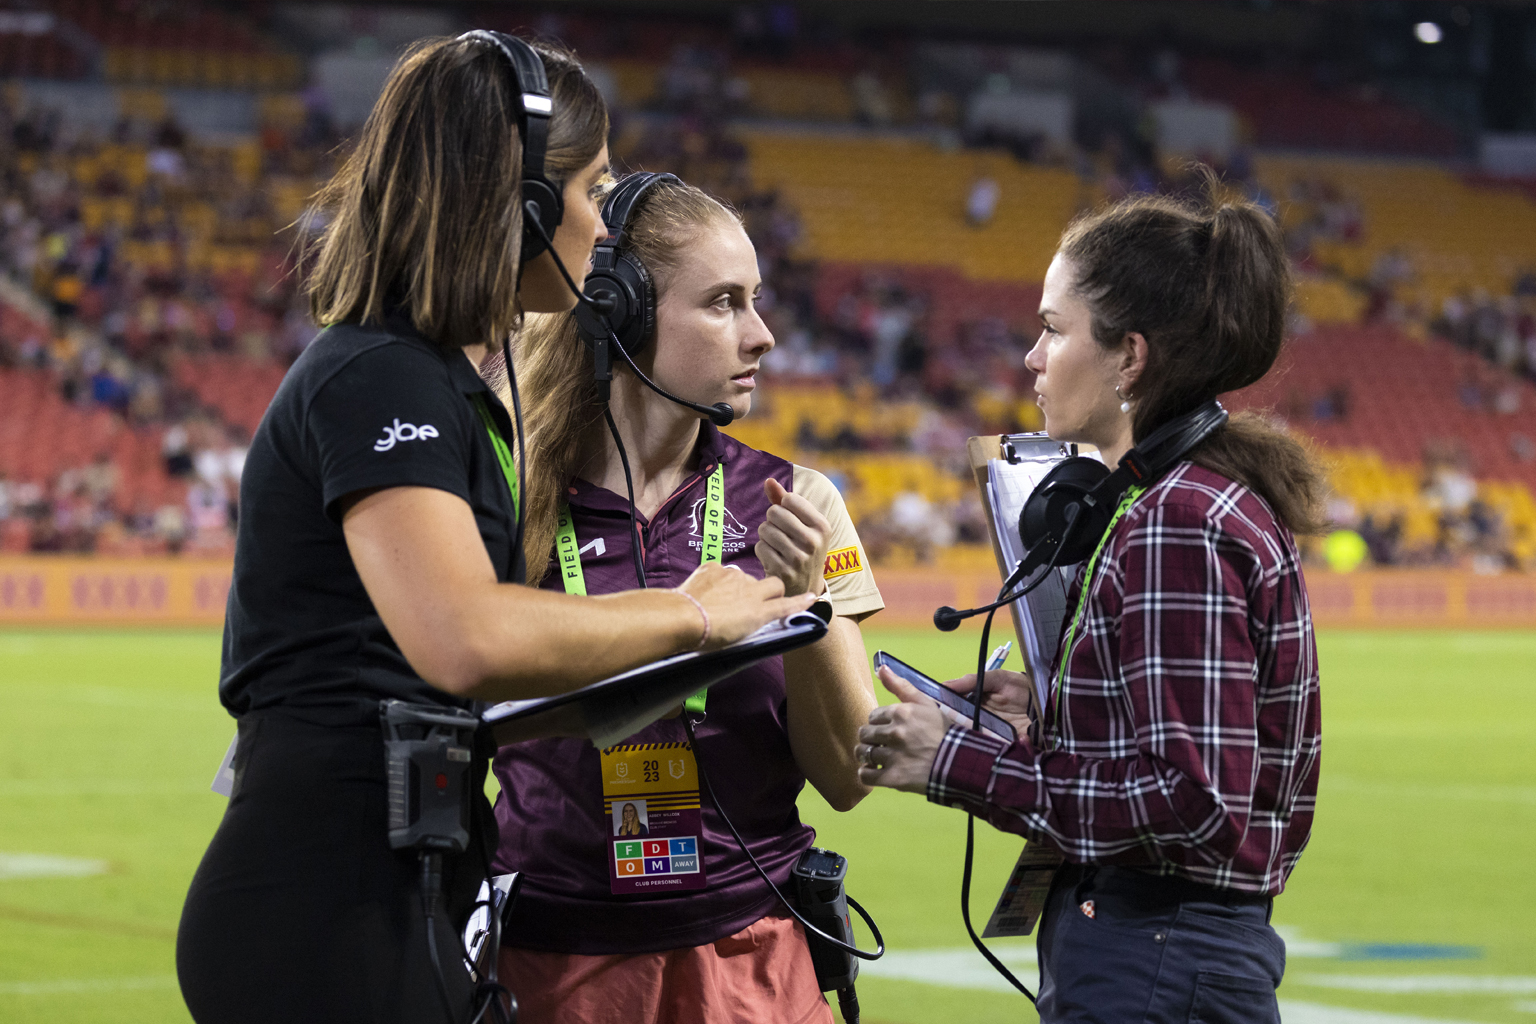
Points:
(33, 44)
(854, 213)
(151, 306)
(1286, 111)
(1454, 237)
(185, 44)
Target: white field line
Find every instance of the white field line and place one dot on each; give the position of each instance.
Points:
(43, 865)
(1296, 946)
(1426, 984)
(84, 986)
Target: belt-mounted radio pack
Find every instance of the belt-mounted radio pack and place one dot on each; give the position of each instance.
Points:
(817, 881)
(429, 754)
(428, 751)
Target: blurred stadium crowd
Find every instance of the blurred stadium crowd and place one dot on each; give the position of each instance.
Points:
(904, 196)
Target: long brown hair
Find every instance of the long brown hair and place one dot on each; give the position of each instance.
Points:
(425, 214)
(554, 366)
(1207, 285)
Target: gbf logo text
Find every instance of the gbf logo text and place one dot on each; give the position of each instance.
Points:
(403, 432)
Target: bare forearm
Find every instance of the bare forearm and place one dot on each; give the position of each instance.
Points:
(830, 695)
(521, 642)
(427, 572)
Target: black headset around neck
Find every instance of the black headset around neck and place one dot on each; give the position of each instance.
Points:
(1066, 516)
(543, 204)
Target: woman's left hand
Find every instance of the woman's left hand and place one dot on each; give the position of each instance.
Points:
(898, 746)
(792, 542)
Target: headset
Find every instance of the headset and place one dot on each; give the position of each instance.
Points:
(1065, 517)
(1061, 523)
(617, 309)
(618, 282)
(543, 204)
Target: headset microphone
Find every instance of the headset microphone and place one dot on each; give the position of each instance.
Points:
(720, 414)
(604, 303)
(948, 619)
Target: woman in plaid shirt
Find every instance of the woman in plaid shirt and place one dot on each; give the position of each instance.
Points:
(1176, 768)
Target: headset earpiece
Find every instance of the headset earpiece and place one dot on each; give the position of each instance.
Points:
(544, 206)
(617, 276)
(1063, 498)
(620, 283)
(543, 203)
(1075, 502)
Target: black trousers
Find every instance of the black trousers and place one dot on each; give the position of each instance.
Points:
(300, 912)
(1155, 950)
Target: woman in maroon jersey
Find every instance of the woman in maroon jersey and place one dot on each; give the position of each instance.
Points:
(1176, 770)
(676, 924)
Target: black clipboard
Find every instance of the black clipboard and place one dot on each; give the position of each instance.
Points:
(611, 710)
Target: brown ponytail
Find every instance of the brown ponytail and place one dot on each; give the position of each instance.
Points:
(1207, 286)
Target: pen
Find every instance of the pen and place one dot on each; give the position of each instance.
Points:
(1000, 655)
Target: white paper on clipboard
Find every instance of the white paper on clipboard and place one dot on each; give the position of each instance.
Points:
(1010, 481)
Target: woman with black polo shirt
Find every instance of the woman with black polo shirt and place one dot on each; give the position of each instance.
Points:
(1176, 769)
(378, 540)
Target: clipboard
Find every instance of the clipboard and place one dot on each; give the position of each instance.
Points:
(1007, 467)
(613, 709)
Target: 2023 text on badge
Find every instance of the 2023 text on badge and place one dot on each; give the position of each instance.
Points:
(651, 800)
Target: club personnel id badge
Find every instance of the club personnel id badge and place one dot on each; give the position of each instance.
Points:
(651, 801)
(1023, 898)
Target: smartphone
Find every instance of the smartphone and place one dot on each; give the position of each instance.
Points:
(944, 695)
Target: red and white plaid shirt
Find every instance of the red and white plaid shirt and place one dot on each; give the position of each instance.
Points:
(1185, 735)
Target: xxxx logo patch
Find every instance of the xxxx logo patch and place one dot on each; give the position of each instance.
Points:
(842, 562)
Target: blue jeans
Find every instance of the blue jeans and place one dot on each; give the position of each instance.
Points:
(1156, 950)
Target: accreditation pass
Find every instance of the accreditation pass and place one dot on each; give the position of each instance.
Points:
(651, 801)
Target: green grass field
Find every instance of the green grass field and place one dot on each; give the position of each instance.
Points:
(1427, 818)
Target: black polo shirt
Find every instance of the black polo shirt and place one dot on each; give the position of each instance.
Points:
(362, 408)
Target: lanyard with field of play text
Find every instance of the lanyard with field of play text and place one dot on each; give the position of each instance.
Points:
(568, 553)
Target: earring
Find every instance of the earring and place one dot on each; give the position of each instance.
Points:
(1125, 403)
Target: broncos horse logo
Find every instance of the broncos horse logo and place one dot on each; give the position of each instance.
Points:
(733, 528)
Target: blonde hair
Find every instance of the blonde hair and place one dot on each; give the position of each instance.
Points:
(554, 366)
(425, 214)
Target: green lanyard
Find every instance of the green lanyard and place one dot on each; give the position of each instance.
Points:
(1131, 495)
(503, 454)
(568, 555)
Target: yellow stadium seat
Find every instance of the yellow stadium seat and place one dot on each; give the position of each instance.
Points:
(1457, 236)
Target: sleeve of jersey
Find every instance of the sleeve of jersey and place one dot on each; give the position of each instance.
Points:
(390, 418)
(1185, 792)
(850, 581)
